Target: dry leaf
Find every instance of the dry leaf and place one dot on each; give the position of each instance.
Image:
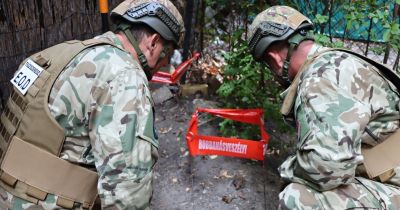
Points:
(185, 154)
(165, 130)
(224, 173)
(212, 157)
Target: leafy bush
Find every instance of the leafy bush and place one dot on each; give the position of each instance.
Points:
(248, 84)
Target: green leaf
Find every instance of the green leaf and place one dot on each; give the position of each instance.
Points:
(395, 29)
(386, 35)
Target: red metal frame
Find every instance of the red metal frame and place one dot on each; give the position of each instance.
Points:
(168, 78)
(209, 145)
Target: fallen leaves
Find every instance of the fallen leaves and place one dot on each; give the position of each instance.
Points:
(210, 65)
(272, 151)
(185, 154)
(225, 174)
(212, 157)
(164, 130)
(183, 149)
(206, 69)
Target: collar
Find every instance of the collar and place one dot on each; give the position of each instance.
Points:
(289, 95)
(316, 48)
(113, 37)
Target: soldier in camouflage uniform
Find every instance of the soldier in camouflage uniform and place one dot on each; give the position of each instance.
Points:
(103, 102)
(340, 103)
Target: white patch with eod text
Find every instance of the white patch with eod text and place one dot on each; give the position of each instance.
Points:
(26, 75)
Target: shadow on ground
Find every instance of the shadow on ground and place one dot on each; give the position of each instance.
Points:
(209, 182)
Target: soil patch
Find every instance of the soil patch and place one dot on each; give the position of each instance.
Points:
(211, 182)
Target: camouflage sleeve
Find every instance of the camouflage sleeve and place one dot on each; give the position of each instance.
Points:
(124, 160)
(331, 118)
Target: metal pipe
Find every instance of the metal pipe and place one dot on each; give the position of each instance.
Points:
(369, 36)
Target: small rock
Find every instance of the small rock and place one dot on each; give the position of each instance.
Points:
(227, 199)
(161, 94)
(201, 103)
(238, 182)
(242, 196)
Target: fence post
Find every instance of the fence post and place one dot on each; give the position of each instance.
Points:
(369, 36)
(330, 20)
(103, 6)
(1, 101)
(387, 50)
(396, 63)
(188, 33)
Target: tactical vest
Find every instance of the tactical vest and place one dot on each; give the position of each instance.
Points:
(31, 140)
(380, 160)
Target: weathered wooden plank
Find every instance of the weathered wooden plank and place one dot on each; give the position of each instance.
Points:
(28, 26)
(3, 16)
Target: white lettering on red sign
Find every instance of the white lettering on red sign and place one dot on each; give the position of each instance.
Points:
(223, 146)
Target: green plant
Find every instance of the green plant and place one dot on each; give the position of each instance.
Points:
(325, 41)
(392, 35)
(248, 84)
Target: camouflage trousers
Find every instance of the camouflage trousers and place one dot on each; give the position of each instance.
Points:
(362, 193)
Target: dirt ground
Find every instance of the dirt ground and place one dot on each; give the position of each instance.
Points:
(210, 182)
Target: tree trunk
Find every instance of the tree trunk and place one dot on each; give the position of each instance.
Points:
(188, 33)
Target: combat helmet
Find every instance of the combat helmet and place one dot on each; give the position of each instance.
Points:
(160, 15)
(278, 23)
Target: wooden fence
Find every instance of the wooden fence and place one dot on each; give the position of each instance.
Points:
(27, 26)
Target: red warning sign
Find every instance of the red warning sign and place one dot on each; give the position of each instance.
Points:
(168, 78)
(214, 145)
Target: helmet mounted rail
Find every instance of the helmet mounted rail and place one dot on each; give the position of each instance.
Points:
(161, 18)
(267, 28)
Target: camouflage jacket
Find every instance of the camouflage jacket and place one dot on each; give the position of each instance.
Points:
(103, 102)
(342, 103)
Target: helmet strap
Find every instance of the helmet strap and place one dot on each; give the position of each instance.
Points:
(294, 41)
(125, 28)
